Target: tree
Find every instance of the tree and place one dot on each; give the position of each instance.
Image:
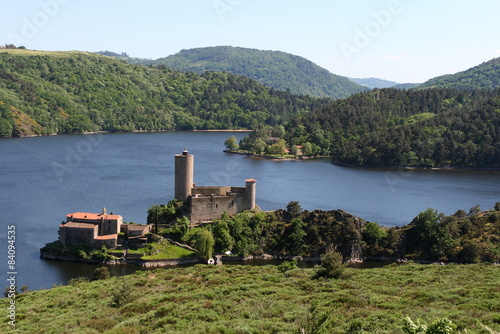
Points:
(373, 234)
(223, 239)
(231, 143)
(259, 146)
(204, 243)
(307, 149)
(296, 238)
(293, 209)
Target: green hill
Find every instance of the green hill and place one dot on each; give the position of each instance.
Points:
(390, 127)
(76, 92)
(262, 299)
(276, 69)
(483, 76)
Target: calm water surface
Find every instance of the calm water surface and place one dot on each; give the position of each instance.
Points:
(43, 179)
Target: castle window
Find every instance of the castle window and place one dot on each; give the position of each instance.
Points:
(216, 206)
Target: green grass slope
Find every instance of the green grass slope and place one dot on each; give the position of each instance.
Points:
(75, 92)
(246, 299)
(275, 69)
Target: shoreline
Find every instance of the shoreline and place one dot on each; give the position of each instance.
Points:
(411, 168)
(258, 156)
(160, 263)
(133, 131)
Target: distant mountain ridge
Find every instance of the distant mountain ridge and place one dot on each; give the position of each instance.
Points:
(374, 82)
(276, 69)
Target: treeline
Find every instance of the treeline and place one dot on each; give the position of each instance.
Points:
(483, 76)
(464, 237)
(75, 92)
(391, 127)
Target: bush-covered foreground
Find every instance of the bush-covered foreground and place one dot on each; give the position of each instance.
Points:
(251, 299)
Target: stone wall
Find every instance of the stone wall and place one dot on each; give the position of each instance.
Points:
(212, 207)
(72, 234)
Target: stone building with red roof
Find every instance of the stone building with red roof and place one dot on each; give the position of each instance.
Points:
(90, 229)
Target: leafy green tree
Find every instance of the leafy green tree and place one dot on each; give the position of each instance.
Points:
(278, 131)
(231, 143)
(259, 146)
(223, 239)
(293, 209)
(180, 227)
(296, 239)
(204, 243)
(307, 149)
(373, 234)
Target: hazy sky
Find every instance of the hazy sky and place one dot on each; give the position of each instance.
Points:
(400, 40)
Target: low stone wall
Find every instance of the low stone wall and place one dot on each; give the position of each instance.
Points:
(131, 259)
(271, 257)
(165, 262)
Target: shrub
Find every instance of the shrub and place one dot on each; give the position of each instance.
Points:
(441, 326)
(287, 265)
(121, 295)
(331, 265)
(101, 273)
(78, 280)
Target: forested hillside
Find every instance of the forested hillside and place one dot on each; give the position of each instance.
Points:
(275, 69)
(75, 92)
(391, 127)
(483, 76)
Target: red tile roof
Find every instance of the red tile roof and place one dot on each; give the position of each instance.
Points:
(79, 225)
(106, 237)
(92, 216)
(250, 180)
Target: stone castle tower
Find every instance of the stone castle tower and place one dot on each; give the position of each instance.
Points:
(184, 175)
(206, 203)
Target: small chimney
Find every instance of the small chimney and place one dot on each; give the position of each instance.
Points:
(104, 212)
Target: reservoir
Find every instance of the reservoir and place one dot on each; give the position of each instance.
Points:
(44, 178)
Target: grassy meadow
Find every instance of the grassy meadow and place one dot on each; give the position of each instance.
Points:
(252, 299)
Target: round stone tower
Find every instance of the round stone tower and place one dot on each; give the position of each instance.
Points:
(250, 194)
(184, 167)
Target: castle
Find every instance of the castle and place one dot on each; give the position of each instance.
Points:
(206, 203)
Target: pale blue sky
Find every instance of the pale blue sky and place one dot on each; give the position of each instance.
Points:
(400, 40)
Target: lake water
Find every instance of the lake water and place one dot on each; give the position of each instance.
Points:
(42, 179)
